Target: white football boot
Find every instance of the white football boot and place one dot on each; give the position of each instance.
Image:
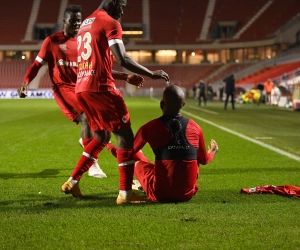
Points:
(95, 170)
(136, 185)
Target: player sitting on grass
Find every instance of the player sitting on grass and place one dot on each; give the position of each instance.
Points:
(179, 148)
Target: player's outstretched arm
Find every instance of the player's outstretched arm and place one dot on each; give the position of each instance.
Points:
(23, 90)
(133, 79)
(129, 63)
(30, 75)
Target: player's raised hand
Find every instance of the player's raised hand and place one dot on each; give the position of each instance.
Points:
(213, 147)
(160, 74)
(135, 80)
(22, 91)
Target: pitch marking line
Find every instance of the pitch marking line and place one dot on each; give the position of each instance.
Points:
(263, 138)
(277, 150)
(204, 110)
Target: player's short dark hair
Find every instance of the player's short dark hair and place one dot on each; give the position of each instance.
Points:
(72, 9)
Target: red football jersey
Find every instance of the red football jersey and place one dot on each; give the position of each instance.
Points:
(157, 134)
(173, 179)
(60, 52)
(97, 32)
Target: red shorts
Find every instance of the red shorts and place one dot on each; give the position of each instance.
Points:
(65, 97)
(104, 110)
(158, 188)
(144, 172)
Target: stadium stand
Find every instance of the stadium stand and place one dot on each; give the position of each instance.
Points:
(233, 12)
(88, 6)
(275, 72)
(278, 13)
(48, 12)
(133, 12)
(164, 24)
(13, 30)
(45, 82)
(174, 26)
(12, 73)
(133, 9)
(190, 24)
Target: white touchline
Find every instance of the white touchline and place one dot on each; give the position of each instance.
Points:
(263, 138)
(277, 150)
(204, 110)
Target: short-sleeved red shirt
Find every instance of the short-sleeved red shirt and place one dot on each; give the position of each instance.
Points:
(97, 32)
(170, 180)
(60, 52)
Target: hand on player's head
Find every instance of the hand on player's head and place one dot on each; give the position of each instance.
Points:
(135, 80)
(160, 74)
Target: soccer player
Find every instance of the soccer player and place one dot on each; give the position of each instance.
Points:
(60, 52)
(179, 148)
(100, 37)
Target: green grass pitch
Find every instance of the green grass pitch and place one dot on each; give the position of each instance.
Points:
(39, 149)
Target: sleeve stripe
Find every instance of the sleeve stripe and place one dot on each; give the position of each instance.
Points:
(114, 41)
(40, 60)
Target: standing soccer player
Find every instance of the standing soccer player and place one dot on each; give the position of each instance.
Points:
(60, 52)
(100, 37)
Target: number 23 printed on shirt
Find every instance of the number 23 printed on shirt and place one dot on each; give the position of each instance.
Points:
(86, 42)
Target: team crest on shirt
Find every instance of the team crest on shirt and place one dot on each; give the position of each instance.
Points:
(62, 47)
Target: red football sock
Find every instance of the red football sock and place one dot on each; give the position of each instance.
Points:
(112, 149)
(85, 162)
(126, 168)
(139, 156)
(86, 141)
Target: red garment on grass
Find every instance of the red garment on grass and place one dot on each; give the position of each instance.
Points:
(286, 190)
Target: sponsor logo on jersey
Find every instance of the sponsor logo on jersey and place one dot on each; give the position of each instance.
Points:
(178, 147)
(88, 21)
(61, 62)
(84, 73)
(85, 65)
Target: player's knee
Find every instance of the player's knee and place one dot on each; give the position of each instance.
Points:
(82, 118)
